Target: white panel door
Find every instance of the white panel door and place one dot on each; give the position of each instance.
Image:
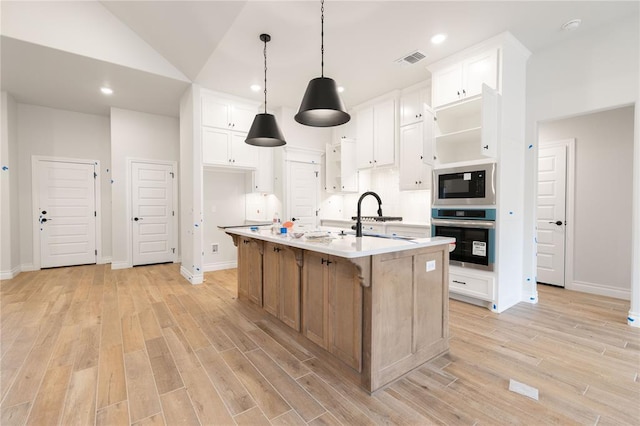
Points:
(552, 175)
(152, 213)
(67, 213)
(303, 205)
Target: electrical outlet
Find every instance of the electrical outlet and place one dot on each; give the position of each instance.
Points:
(214, 248)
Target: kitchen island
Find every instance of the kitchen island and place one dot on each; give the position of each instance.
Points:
(377, 305)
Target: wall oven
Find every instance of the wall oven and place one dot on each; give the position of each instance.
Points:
(474, 231)
(467, 185)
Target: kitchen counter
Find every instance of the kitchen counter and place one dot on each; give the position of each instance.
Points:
(375, 308)
(337, 244)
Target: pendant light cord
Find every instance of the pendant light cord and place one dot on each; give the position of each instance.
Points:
(322, 38)
(265, 75)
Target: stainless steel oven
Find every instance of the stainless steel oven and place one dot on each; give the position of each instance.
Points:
(474, 231)
(467, 185)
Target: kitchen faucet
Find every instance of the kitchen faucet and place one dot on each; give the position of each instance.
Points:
(358, 219)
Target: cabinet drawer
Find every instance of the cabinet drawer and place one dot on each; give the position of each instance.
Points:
(475, 286)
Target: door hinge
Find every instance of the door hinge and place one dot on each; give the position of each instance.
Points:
(173, 213)
(95, 214)
(173, 250)
(173, 176)
(316, 173)
(95, 175)
(96, 251)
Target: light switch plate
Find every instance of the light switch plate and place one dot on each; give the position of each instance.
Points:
(431, 265)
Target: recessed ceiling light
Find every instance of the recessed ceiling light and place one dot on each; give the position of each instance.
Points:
(340, 89)
(255, 87)
(438, 38)
(106, 90)
(571, 25)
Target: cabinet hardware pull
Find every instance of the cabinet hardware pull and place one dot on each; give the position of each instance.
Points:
(458, 93)
(464, 93)
(327, 261)
(460, 282)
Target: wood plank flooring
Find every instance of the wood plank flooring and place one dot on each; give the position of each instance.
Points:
(91, 346)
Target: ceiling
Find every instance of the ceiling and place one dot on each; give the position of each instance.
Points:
(216, 44)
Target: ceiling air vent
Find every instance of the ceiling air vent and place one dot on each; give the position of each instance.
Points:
(411, 58)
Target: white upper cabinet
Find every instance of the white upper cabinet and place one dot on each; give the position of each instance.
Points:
(376, 134)
(468, 130)
(224, 148)
(411, 106)
(464, 79)
(341, 173)
(227, 114)
(414, 173)
(262, 179)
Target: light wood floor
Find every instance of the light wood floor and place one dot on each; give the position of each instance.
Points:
(88, 345)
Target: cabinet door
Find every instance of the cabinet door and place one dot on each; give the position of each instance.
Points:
(289, 276)
(348, 166)
(365, 138)
(332, 167)
(255, 272)
(489, 131)
(243, 268)
(271, 279)
(384, 133)
(479, 70)
(215, 112)
(447, 85)
(430, 303)
(411, 164)
(315, 309)
(429, 135)
(263, 175)
(242, 117)
(345, 312)
(215, 146)
(243, 154)
(411, 107)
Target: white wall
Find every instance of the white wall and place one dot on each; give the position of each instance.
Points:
(603, 176)
(141, 136)
(592, 71)
(223, 205)
(9, 210)
(58, 133)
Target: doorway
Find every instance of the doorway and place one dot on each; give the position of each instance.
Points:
(153, 217)
(66, 207)
(554, 203)
(304, 187)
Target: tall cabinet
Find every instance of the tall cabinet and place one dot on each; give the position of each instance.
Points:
(479, 115)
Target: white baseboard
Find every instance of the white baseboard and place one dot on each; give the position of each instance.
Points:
(120, 265)
(192, 278)
(633, 319)
(601, 290)
(12, 273)
(218, 266)
(28, 267)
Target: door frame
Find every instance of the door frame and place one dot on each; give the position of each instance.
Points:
(35, 197)
(570, 145)
(174, 222)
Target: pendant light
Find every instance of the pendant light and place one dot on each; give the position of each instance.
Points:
(321, 105)
(264, 130)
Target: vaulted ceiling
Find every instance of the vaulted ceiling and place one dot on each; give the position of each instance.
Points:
(215, 44)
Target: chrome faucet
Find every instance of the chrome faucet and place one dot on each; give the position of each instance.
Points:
(358, 219)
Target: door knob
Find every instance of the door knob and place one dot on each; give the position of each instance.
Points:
(137, 218)
(44, 219)
(557, 222)
(44, 212)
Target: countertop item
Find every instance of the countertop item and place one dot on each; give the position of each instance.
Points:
(333, 242)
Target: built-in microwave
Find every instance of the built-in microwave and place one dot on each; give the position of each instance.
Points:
(466, 185)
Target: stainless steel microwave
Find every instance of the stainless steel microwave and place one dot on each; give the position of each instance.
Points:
(465, 186)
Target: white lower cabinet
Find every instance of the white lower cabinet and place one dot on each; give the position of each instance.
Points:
(468, 282)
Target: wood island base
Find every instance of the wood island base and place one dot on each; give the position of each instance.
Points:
(377, 317)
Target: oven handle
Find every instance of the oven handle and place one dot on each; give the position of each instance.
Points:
(481, 224)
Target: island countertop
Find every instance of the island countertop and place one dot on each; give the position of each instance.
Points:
(337, 244)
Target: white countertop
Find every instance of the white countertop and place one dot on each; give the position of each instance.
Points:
(342, 245)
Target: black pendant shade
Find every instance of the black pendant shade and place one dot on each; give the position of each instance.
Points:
(321, 105)
(264, 130)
